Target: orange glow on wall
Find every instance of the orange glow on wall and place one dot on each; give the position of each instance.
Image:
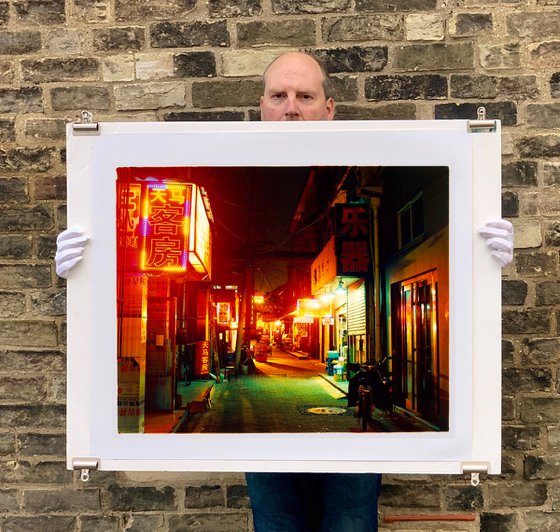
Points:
(166, 225)
(309, 308)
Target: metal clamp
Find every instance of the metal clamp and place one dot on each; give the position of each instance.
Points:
(475, 469)
(87, 125)
(85, 465)
(481, 124)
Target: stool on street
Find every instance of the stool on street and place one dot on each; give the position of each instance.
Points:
(230, 371)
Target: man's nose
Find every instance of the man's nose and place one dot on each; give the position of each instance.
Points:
(291, 110)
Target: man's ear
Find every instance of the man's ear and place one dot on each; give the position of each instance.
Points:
(330, 109)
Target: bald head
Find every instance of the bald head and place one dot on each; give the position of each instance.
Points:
(294, 89)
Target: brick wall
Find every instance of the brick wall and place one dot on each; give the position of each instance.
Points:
(196, 60)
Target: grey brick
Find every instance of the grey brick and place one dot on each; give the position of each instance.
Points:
(494, 522)
(521, 437)
(7, 444)
(204, 496)
(508, 408)
(543, 115)
(42, 444)
(21, 390)
(61, 500)
(14, 190)
(204, 116)
(514, 292)
(142, 10)
(46, 246)
(9, 501)
(519, 174)
(345, 88)
(4, 14)
(397, 111)
(381, 88)
(12, 304)
(45, 128)
(227, 93)
(508, 350)
(410, 495)
(238, 496)
(555, 85)
(48, 304)
(395, 5)
(518, 494)
(540, 409)
(7, 130)
(19, 43)
(194, 65)
(541, 350)
(520, 87)
(548, 293)
(24, 100)
(91, 97)
(537, 263)
(293, 7)
(518, 380)
(97, 523)
(67, 69)
(551, 173)
(98, 11)
(464, 498)
(143, 523)
(539, 146)
(510, 204)
(542, 467)
(295, 32)
(526, 321)
(37, 416)
(468, 24)
(25, 218)
(353, 59)
(40, 12)
(115, 39)
(32, 361)
(435, 56)
(28, 333)
(44, 523)
(369, 27)
(234, 8)
(183, 35)
(504, 111)
(141, 499)
(533, 24)
(25, 159)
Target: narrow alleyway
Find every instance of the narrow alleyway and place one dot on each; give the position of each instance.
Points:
(286, 395)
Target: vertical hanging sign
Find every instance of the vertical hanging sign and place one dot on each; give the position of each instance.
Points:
(352, 240)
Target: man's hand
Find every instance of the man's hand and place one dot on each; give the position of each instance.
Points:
(499, 238)
(70, 245)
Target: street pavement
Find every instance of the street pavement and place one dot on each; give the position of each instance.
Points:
(286, 395)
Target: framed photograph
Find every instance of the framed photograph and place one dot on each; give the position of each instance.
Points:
(285, 297)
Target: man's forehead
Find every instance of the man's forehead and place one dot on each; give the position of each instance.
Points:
(296, 71)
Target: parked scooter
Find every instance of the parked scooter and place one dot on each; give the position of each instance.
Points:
(370, 388)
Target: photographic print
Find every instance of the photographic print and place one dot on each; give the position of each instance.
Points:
(282, 299)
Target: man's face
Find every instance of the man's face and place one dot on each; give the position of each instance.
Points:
(293, 90)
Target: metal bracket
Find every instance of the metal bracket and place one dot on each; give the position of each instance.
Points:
(86, 126)
(85, 465)
(474, 469)
(481, 125)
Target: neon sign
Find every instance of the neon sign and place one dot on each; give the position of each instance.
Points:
(165, 228)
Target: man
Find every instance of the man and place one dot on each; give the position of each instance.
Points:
(296, 87)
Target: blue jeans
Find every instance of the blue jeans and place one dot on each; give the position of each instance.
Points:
(314, 502)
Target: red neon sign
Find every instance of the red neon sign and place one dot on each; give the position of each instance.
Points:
(166, 221)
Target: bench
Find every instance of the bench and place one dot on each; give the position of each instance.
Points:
(202, 402)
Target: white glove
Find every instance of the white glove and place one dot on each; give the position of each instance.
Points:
(499, 238)
(70, 245)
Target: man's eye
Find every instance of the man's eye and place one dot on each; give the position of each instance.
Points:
(277, 96)
(306, 97)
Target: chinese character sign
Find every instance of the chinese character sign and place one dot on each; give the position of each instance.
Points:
(352, 240)
(165, 227)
